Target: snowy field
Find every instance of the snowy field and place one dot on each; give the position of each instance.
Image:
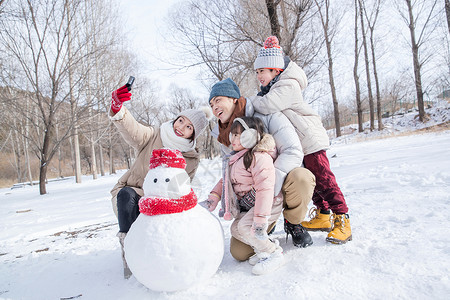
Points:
(63, 245)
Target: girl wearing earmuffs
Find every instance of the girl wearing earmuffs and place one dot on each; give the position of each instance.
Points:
(249, 188)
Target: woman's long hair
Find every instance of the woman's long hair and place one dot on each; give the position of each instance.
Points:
(252, 122)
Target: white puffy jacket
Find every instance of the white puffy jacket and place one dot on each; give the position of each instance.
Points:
(286, 96)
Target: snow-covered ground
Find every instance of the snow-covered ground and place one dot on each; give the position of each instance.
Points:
(63, 244)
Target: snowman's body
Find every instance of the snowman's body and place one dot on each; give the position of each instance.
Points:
(175, 250)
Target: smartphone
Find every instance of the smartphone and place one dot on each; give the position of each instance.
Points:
(130, 82)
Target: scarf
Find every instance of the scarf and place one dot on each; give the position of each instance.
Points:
(224, 128)
(171, 140)
(152, 206)
(266, 89)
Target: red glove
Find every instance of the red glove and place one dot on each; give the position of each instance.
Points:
(119, 96)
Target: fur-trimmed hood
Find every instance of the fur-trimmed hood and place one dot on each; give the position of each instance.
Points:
(266, 144)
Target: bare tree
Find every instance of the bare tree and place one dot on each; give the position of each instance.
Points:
(366, 60)
(329, 33)
(181, 99)
(355, 73)
(447, 13)
(371, 21)
(38, 40)
(224, 36)
(273, 17)
(418, 36)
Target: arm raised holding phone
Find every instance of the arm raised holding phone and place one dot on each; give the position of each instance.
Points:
(121, 95)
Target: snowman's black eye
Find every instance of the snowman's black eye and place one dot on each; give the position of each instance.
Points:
(167, 179)
(155, 180)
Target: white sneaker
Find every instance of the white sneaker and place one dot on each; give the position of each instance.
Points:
(268, 262)
(253, 260)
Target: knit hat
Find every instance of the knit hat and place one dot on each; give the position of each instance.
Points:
(198, 117)
(271, 56)
(167, 158)
(227, 88)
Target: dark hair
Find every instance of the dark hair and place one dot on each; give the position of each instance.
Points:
(192, 137)
(252, 122)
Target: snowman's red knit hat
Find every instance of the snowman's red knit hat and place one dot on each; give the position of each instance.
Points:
(168, 158)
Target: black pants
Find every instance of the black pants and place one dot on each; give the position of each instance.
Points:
(127, 208)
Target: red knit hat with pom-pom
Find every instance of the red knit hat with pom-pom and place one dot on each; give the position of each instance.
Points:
(270, 56)
(168, 158)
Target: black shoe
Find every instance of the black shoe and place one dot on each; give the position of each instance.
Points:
(272, 230)
(300, 237)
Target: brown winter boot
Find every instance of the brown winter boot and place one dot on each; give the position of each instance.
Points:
(342, 231)
(126, 271)
(318, 222)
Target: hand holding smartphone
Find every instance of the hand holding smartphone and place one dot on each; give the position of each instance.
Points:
(130, 83)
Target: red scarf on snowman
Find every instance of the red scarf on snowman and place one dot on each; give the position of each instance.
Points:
(151, 206)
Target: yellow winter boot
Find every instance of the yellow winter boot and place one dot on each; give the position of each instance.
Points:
(342, 231)
(318, 222)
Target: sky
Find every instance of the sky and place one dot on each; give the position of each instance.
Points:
(144, 22)
(63, 245)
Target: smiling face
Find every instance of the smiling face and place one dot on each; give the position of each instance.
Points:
(183, 127)
(265, 76)
(223, 107)
(236, 142)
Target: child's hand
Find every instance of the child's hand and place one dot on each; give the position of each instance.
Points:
(211, 203)
(260, 230)
(206, 204)
(118, 97)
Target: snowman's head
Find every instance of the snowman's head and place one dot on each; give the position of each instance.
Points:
(167, 177)
(166, 182)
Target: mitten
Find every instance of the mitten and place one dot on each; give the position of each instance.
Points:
(248, 200)
(211, 203)
(206, 204)
(119, 96)
(260, 230)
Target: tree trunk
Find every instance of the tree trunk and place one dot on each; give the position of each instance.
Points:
(447, 12)
(92, 142)
(325, 22)
(94, 161)
(27, 155)
(76, 151)
(59, 152)
(366, 60)
(333, 91)
(25, 143)
(273, 17)
(44, 158)
(112, 169)
(377, 85)
(416, 64)
(355, 74)
(73, 105)
(102, 162)
(16, 152)
(42, 178)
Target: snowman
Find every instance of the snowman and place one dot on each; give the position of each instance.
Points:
(174, 243)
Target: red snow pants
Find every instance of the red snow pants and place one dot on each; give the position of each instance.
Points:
(327, 194)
